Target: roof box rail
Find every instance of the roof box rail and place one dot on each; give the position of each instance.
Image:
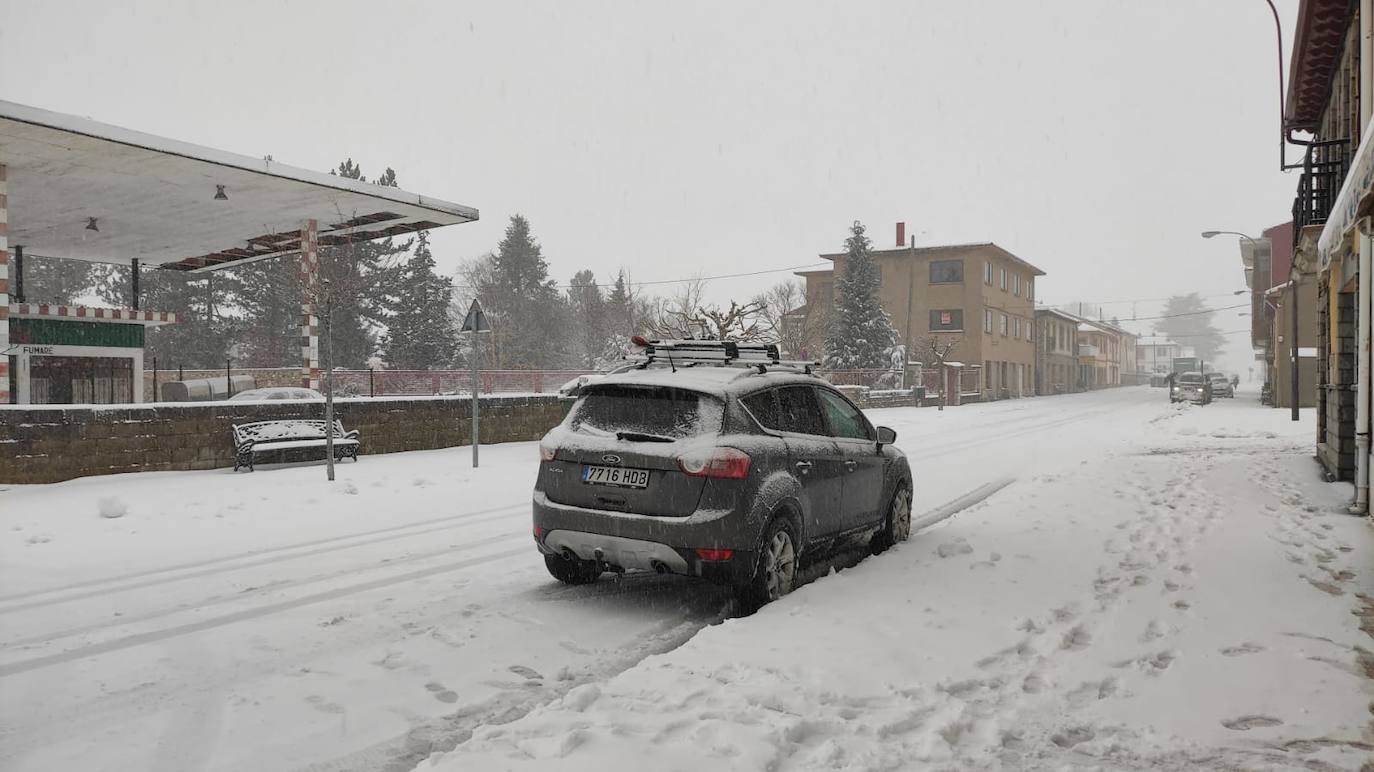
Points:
(719, 352)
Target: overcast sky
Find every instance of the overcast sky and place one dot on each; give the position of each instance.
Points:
(1094, 138)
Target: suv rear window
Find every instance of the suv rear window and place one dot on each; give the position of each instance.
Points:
(1190, 378)
(655, 410)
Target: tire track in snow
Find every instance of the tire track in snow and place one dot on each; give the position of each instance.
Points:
(266, 557)
(140, 639)
(272, 587)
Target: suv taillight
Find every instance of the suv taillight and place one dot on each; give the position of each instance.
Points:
(726, 463)
(547, 452)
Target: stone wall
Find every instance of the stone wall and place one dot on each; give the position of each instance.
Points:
(50, 444)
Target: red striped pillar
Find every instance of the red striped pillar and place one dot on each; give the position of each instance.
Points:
(310, 323)
(4, 290)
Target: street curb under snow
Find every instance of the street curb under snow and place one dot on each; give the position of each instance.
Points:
(952, 508)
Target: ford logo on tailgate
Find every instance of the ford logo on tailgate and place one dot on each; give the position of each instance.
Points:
(611, 458)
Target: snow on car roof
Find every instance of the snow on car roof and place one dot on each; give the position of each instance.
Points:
(709, 379)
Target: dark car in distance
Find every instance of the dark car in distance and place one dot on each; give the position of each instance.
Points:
(732, 473)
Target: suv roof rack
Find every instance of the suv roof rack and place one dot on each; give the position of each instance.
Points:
(760, 356)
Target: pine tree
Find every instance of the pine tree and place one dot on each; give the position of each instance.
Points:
(197, 339)
(589, 312)
(54, 280)
(421, 335)
(1188, 321)
(861, 334)
(267, 294)
(364, 278)
(620, 307)
(529, 317)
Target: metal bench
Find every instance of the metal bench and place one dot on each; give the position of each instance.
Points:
(286, 434)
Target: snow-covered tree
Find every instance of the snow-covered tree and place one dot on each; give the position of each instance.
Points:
(861, 334)
(420, 334)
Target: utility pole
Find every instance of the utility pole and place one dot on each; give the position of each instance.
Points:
(329, 380)
(476, 323)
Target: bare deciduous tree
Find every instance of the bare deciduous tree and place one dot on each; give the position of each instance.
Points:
(787, 319)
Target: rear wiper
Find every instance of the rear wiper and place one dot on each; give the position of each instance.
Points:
(642, 437)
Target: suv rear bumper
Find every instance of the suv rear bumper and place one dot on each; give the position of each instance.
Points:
(642, 542)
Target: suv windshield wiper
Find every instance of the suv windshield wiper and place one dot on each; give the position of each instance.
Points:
(642, 437)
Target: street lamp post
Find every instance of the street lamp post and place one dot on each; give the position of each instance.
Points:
(1293, 321)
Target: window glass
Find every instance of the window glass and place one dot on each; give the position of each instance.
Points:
(987, 273)
(946, 319)
(946, 271)
(1002, 324)
(1015, 284)
(764, 407)
(844, 419)
(987, 321)
(1004, 278)
(798, 411)
(666, 412)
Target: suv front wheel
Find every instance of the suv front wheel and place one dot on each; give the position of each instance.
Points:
(897, 527)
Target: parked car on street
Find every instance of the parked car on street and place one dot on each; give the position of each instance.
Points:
(721, 464)
(295, 393)
(1221, 385)
(1191, 387)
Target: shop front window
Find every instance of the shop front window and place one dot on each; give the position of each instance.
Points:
(55, 380)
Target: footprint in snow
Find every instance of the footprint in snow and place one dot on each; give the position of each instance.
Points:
(441, 693)
(1242, 649)
(1076, 639)
(521, 670)
(1073, 736)
(950, 549)
(1246, 723)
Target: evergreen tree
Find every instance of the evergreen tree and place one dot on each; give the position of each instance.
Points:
(589, 312)
(1188, 322)
(529, 317)
(364, 280)
(197, 339)
(620, 312)
(421, 335)
(267, 294)
(861, 334)
(54, 280)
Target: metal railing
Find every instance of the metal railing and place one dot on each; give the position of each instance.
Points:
(1324, 166)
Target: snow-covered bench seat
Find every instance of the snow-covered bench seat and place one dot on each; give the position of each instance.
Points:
(285, 434)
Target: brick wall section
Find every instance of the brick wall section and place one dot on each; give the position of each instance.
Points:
(1337, 452)
(54, 444)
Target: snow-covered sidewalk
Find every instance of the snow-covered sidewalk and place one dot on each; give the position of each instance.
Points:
(1187, 600)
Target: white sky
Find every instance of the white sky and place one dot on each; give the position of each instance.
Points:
(1094, 138)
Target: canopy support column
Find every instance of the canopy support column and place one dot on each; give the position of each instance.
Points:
(310, 282)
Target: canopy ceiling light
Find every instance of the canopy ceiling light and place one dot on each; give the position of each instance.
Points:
(219, 193)
(91, 226)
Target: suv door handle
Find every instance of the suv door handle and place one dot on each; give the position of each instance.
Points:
(804, 466)
(850, 464)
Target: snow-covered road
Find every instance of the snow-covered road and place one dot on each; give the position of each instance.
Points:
(1143, 555)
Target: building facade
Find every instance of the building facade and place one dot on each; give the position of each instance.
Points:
(1056, 348)
(976, 300)
(1328, 98)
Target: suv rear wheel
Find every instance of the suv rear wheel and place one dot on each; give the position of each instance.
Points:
(572, 570)
(897, 527)
(776, 571)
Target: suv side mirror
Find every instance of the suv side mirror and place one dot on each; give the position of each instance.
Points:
(886, 436)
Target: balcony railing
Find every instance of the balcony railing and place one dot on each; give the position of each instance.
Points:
(1323, 170)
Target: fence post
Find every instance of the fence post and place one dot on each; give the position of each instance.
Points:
(371, 381)
(228, 378)
(154, 379)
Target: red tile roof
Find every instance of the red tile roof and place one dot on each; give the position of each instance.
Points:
(1317, 43)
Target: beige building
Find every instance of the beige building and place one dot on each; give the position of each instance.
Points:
(1056, 343)
(978, 297)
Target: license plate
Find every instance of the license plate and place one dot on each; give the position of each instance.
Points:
(615, 475)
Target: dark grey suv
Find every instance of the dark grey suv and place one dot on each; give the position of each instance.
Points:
(722, 472)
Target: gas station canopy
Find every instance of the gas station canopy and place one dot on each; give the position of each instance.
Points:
(85, 190)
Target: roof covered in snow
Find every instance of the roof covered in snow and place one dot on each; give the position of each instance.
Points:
(156, 200)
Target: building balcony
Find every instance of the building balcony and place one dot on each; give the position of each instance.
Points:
(1323, 170)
